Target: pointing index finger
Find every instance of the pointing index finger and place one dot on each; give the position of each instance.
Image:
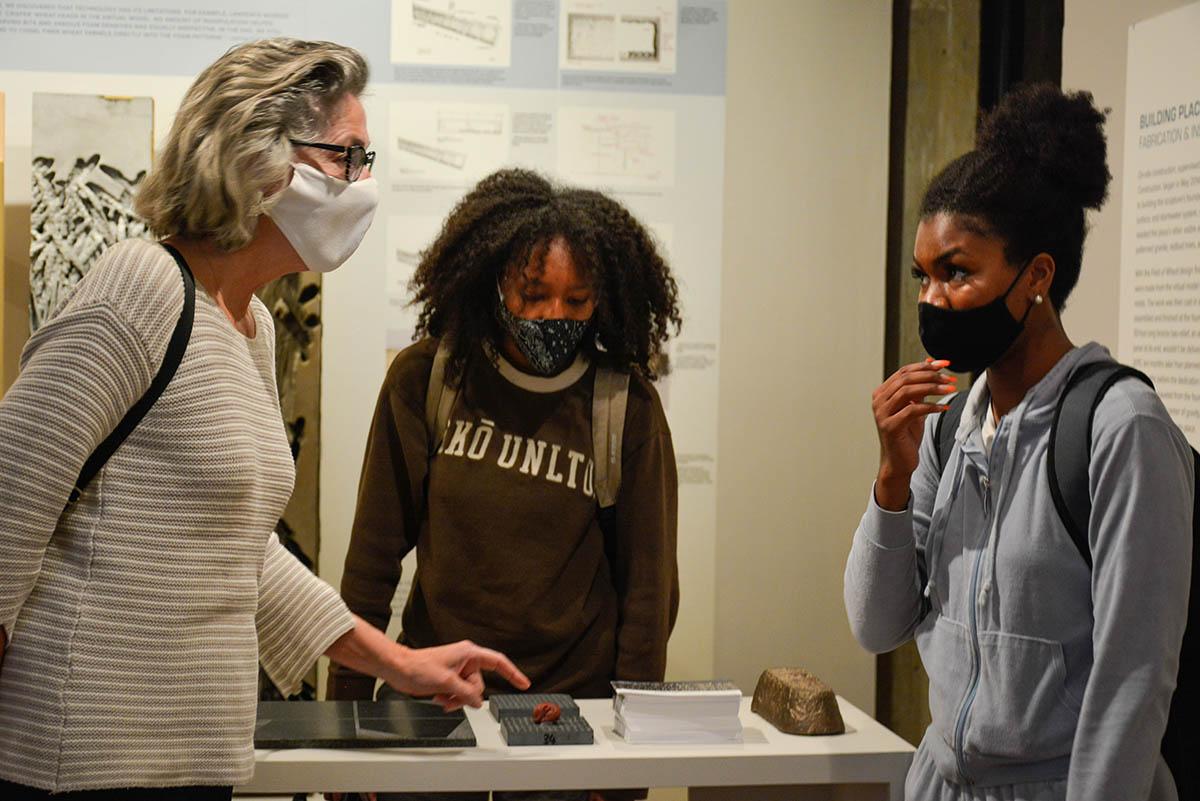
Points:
(496, 662)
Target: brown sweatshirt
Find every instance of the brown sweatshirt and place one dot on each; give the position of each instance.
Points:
(510, 552)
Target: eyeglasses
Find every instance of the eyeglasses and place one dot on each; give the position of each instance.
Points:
(356, 156)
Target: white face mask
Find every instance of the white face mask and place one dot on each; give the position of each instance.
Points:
(324, 218)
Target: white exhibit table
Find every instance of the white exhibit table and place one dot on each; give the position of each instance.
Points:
(867, 762)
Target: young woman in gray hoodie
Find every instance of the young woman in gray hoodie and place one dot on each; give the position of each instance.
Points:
(1047, 679)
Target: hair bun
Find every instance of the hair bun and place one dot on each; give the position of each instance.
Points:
(1059, 135)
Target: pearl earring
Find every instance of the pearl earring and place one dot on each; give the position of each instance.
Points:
(1037, 299)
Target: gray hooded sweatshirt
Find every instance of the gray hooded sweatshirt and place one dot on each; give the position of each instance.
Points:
(1040, 669)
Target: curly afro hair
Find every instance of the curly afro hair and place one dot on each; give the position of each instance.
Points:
(1039, 161)
(509, 220)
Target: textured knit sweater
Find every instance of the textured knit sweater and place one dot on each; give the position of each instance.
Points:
(505, 524)
(137, 617)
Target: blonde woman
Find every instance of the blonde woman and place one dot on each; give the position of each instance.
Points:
(134, 611)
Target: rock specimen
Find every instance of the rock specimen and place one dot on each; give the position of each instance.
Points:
(797, 702)
(546, 713)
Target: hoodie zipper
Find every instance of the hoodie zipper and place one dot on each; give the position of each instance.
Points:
(973, 689)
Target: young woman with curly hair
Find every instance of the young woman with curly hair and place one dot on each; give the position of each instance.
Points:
(1051, 666)
(532, 288)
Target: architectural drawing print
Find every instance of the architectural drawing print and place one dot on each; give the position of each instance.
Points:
(639, 39)
(410, 258)
(90, 153)
(483, 30)
(591, 37)
(448, 143)
(442, 155)
(474, 33)
(617, 147)
(454, 123)
(604, 38)
(618, 35)
(407, 238)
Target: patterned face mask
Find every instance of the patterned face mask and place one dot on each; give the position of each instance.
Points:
(549, 345)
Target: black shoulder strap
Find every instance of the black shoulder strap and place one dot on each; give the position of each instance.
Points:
(175, 350)
(946, 427)
(1071, 445)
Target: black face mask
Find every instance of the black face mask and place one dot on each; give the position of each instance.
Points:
(971, 339)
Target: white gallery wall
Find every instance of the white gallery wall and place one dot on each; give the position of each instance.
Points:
(802, 330)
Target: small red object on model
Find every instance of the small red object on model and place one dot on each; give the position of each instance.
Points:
(546, 713)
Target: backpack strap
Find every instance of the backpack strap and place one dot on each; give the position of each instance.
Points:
(174, 356)
(439, 398)
(1070, 448)
(610, 397)
(946, 428)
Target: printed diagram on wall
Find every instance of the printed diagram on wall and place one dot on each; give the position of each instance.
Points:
(407, 237)
(621, 148)
(475, 33)
(90, 153)
(448, 143)
(617, 35)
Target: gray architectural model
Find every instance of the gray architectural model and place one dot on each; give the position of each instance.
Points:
(517, 726)
(565, 731)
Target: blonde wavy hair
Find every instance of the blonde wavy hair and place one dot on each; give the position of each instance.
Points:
(227, 156)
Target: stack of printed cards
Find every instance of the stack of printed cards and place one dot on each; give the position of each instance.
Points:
(677, 713)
